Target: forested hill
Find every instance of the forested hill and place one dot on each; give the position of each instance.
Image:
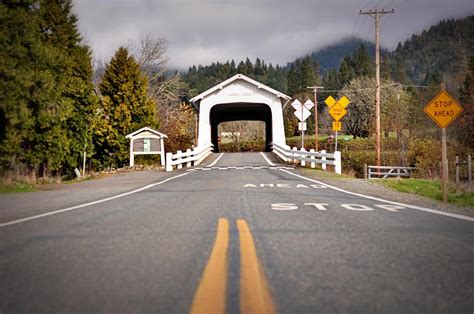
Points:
(331, 56)
(439, 53)
(443, 50)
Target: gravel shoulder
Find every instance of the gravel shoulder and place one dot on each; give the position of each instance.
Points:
(372, 188)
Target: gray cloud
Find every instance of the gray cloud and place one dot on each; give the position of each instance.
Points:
(204, 31)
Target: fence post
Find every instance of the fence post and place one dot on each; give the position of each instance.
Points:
(337, 161)
(323, 159)
(169, 166)
(188, 152)
(313, 164)
(469, 172)
(456, 161)
(365, 171)
(303, 163)
(179, 165)
(294, 160)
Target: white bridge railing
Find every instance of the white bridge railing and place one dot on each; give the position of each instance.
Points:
(302, 157)
(189, 157)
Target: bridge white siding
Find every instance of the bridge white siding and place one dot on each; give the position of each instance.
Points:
(241, 91)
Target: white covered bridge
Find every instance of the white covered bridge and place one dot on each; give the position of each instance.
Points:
(242, 98)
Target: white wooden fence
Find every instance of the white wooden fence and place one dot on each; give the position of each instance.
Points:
(312, 158)
(189, 157)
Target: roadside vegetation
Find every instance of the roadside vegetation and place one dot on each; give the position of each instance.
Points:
(16, 187)
(430, 189)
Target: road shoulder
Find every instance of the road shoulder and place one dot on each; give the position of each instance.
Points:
(375, 189)
(57, 196)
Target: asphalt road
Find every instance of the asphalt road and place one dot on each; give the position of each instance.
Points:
(238, 237)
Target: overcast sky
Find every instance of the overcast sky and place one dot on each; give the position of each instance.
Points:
(277, 31)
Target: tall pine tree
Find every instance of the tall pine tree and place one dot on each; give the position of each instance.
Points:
(125, 107)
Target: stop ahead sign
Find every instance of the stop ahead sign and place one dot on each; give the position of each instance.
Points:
(443, 109)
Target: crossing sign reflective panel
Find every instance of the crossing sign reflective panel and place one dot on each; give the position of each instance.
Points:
(443, 109)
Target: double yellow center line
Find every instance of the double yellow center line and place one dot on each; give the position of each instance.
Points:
(210, 296)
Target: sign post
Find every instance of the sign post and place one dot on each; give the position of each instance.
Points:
(443, 109)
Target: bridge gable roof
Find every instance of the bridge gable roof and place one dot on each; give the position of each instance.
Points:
(236, 78)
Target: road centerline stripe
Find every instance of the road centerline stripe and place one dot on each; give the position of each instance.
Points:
(210, 296)
(255, 295)
(59, 211)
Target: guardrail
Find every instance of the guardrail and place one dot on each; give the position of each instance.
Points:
(190, 157)
(388, 171)
(312, 157)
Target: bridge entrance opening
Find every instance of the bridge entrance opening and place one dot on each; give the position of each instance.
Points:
(241, 112)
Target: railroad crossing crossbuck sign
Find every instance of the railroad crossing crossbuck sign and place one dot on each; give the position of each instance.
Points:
(302, 111)
(443, 109)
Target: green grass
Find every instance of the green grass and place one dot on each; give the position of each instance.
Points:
(318, 173)
(16, 188)
(429, 188)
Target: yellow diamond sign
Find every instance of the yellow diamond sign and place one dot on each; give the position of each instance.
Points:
(330, 101)
(443, 109)
(344, 101)
(337, 111)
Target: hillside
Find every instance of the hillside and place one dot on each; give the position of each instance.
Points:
(330, 57)
(444, 49)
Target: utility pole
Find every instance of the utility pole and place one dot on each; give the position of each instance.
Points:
(377, 14)
(315, 89)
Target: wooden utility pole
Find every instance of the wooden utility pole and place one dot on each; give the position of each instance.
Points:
(377, 14)
(315, 89)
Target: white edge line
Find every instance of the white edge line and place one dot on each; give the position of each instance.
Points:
(429, 210)
(215, 161)
(267, 160)
(14, 222)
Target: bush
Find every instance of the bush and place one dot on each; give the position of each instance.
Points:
(424, 154)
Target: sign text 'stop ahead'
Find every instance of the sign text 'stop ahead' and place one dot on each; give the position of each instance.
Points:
(443, 109)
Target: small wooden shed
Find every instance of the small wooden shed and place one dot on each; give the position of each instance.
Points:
(146, 141)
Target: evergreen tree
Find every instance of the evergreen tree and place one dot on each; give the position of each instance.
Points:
(125, 108)
(20, 79)
(59, 29)
(309, 73)
(362, 64)
(293, 80)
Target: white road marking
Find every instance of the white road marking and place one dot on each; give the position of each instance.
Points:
(284, 206)
(215, 161)
(319, 206)
(357, 207)
(429, 210)
(390, 207)
(267, 160)
(14, 222)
